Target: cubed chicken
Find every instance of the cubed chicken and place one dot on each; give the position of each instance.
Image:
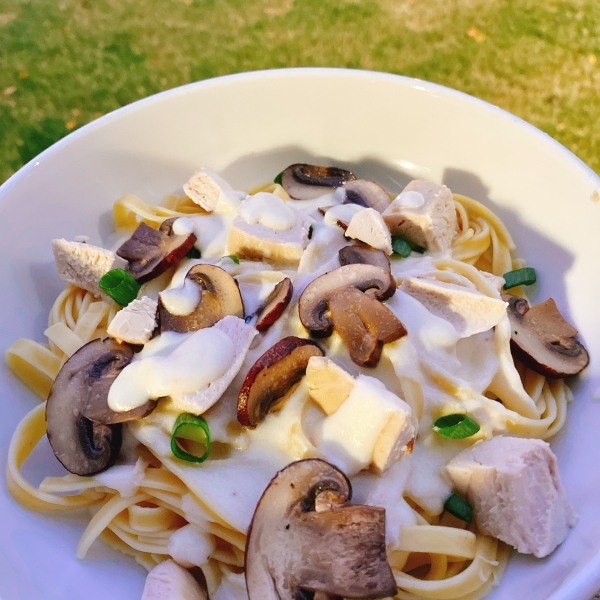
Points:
(135, 323)
(424, 214)
(369, 227)
(467, 309)
(257, 242)
(169, 581)
(516, 492)
(211, 192)
(84, 265)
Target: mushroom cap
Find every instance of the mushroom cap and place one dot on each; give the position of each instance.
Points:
(366, 193)
(363, 255)
(82, 430)
(275, 304)
(543, 340)
(304, 182)
(304, 536)
(272, 376)
(150, 252)
(219, 296)
(314, 301)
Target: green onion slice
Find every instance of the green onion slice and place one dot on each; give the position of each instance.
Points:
(458, 507)
(193, 429)
(120, 286)
(524, 276)
(310, 232)
(401, 246)
(278, 178)
(233, 257)
(456, 426)
(193, 252)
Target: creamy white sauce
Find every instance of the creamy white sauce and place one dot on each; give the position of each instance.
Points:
(342, 213)
(410, 199)
(181, 301)
(268, 210)
(183, 226)
(181, 367)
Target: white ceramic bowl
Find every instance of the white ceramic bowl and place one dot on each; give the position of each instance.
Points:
(249, 127)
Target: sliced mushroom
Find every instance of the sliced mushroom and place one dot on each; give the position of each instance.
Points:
(304, 182)
(313, 306)
(219, 297)
(150, 252)
(364, 324)
(84, 433)
(298, 544)
(272, 376)
(366, 193)
(363, 255)
(543, 340)
(276, 303)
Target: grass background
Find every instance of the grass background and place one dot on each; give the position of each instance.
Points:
(66, 62)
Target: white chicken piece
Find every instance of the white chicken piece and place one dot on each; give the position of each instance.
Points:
(190, 546)
(368, 226)
(211, 192)
(241, 335)
(84, 265)
(135, 323)
(372, 426)
(424, 214)
(468, 310)
(256, 241)
(516, 492)
(169, 581)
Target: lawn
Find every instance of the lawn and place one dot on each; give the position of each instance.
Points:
(65, 62)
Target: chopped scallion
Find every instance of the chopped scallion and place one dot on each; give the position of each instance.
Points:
(233, 257)
(401, 246)
(278, 178)
(193, 252)
(524, 276)
(458, 507)
(120, 286)
(310, 232)
(456, 426)
(195, 430)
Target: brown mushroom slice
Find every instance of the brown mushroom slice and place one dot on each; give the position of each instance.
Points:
(272, 376)
(219, 297)
(363, 255)
(276, 303)
(150, 252)
(543, 340)
(366, 193)
(304, 182)
(364, 324)
(313, 305)
(298, 545)
(83, 431)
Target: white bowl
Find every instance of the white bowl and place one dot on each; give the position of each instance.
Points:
(249, 127)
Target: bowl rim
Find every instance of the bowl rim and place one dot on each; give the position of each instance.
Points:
(293, 72)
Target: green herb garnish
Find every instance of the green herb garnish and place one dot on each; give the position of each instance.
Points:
(278, 178)
(233, 257)
(120, 286)
(524, 276)
(458, 507)
(310, 232)
(401, 246)
(456, 426)
(190, 428)
(193, 252)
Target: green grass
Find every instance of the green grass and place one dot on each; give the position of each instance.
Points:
(63, 63)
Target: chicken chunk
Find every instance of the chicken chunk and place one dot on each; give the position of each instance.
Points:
(369, 227)
(169, 581)
(424, 214)
(516, 492)
(258, 242)
(135, 323)
(211, 192)
(84, 265)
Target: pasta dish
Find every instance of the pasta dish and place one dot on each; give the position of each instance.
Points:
(316, 331)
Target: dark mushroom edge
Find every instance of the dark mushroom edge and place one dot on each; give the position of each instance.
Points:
(272, 376)
(150, 252)
(304, 182)
(305, 536)
(275, 305)
(84, 433)
(543, 340)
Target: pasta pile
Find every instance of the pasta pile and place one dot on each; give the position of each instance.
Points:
(437, 558)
